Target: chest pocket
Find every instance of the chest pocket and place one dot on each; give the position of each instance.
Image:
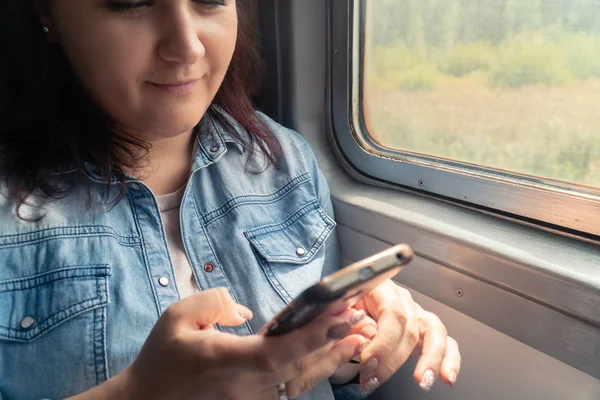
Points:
(40, 303)
(292, 252)
(57, 319)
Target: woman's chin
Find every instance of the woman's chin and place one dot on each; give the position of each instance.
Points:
(169, 129)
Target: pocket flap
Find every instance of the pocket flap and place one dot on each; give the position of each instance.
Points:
(295, 240)
(35, 304)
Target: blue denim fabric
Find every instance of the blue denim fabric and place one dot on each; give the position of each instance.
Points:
(88, 272)
(347, 392)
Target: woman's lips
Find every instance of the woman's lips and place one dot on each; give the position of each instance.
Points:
(179, 88)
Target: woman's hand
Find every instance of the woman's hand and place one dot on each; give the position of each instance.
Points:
(399, 329)
(184, 357)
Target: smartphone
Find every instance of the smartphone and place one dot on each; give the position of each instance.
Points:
(340, 290)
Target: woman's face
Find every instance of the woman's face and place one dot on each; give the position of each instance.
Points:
(154, 66)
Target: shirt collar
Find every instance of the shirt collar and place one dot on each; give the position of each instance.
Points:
(213, 140)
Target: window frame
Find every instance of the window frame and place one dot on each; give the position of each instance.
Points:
(556, 205)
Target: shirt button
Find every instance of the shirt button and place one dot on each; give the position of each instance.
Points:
(136, 186)
(164, 281)
(214, 149)
(209, 267)
(300, 251)
(27, 322)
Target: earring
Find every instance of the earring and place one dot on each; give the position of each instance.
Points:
(46, 29)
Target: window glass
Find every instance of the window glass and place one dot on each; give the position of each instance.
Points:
(509, 84)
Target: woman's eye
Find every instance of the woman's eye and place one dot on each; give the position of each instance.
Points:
(212, 3)
(128, 6)
(134, 6)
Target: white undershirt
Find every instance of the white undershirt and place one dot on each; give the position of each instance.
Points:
(169, 205)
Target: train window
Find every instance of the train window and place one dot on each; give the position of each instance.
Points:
(513, 85)
(487, 102)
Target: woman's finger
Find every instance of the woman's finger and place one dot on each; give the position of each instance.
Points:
(366, 327)
(452, 360)
(209, 307)
(278, 357)
(397, 335)
(300, 366)
(323, 365)
(419, 347)
(434, 336)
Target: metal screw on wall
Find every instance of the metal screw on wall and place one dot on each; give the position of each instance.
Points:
(459, 292)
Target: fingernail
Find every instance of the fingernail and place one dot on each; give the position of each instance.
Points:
(369, 386)
(244, 312)
(338, 331)
(357, 317)
(367, 370)
(452, 378)
(362, 346)
(428, 380)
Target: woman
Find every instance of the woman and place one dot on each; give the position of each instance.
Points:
(135, 174)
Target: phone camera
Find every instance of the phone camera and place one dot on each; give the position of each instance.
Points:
(366, 273)
(400, 257)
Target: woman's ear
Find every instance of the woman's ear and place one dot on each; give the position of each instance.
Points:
(46, 24)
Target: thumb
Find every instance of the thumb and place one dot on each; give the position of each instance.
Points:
(209, 307)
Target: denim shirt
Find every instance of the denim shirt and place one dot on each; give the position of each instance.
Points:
(81, 288)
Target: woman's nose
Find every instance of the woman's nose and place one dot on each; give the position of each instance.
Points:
(181, 42)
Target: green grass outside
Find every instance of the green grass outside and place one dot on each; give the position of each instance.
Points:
(527, 104)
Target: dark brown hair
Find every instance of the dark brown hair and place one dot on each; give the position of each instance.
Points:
(48, 124)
